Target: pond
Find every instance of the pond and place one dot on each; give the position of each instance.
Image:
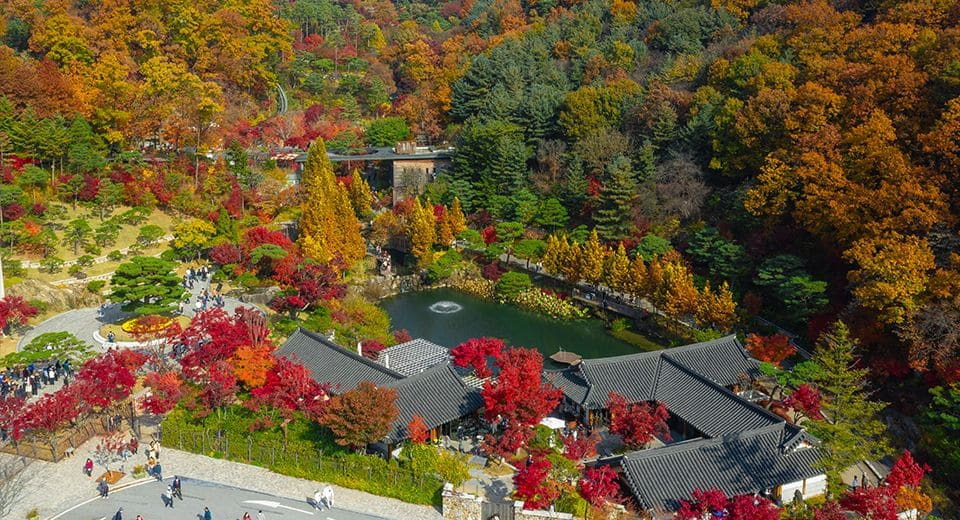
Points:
(449, 317)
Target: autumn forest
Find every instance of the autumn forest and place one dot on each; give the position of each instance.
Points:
(792, 163)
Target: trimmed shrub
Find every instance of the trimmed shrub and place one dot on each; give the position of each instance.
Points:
(511, 284)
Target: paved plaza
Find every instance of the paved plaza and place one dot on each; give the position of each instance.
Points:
(225, 503)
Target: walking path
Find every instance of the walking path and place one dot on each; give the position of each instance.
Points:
(54, 487)
(146, 498)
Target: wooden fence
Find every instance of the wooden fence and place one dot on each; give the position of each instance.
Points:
(64, 444)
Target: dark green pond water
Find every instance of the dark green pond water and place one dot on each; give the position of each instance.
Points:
(448, 317)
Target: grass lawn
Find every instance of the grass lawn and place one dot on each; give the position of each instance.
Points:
(126, 237)
(638, 340)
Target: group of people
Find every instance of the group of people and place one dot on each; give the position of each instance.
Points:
(206, 298)
(23, 382)
(199, 274)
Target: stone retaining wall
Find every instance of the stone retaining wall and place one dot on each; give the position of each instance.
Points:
(465, 506)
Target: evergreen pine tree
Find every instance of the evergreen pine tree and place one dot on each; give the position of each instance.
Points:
(616, 201)
(851, 430)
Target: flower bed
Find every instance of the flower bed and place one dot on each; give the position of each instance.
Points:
(537, 300)
(145, 324)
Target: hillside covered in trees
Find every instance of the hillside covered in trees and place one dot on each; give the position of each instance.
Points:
(804, 152)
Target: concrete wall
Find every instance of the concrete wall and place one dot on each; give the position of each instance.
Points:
(410, 176)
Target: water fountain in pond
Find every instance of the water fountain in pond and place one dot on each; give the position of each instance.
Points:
(445, 307)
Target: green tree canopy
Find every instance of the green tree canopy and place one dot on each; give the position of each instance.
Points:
(652, 246)
(49, 345)
(723, 258)
(146, 285)
(77, 234)
(851, 430)
(512, 284)
(787, 281)
(386, 131)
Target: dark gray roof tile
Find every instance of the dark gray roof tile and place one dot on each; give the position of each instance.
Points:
(743, 463)
(436, 394)
(331, 363)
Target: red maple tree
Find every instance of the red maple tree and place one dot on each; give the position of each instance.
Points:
(906, 472)
(288, 387)
(876, 503)
(214, 335)
(166, 388)
(805, 401)
(772, 349)
(750, 507)
(599, 485)
(417, 430)
(474, 353)
(532, 485)
(109, 377)
(51, 413)
(637, 423)
(220, 386)
(506, 442)
(581, 447)
(519, 395)
(830, 510)
(11, 408)
(14, 310)
(703, 503)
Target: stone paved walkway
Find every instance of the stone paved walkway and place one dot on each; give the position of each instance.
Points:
(54, 487)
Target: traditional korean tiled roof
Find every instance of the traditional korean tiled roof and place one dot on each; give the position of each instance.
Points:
(437, 394)
(413, 357)
(705, 405)
(722, 360)
(742, 463)
(634, 376)
(570, 382)
(331, 363)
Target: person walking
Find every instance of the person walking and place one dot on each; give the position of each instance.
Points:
(260, 515)
(206, 514)
(177, 490)
(118, 515)
(318, 500)
(103, 488)
(155, 446)
(88, 467)
(168, 497)
(246, 516)
(328, 496)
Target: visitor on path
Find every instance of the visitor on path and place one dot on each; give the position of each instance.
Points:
(158, 472)
(260, 515)
(177, 490)
(88, 467)
(103, 488)
(246, 516)
(168, 497)
(855, 482)
(118, 515)
(206, 514)
(328, 496)
(139, 517)
(155, 447)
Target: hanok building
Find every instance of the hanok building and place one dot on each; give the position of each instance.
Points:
(723, 441)
(420, 371)
(720, 440)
